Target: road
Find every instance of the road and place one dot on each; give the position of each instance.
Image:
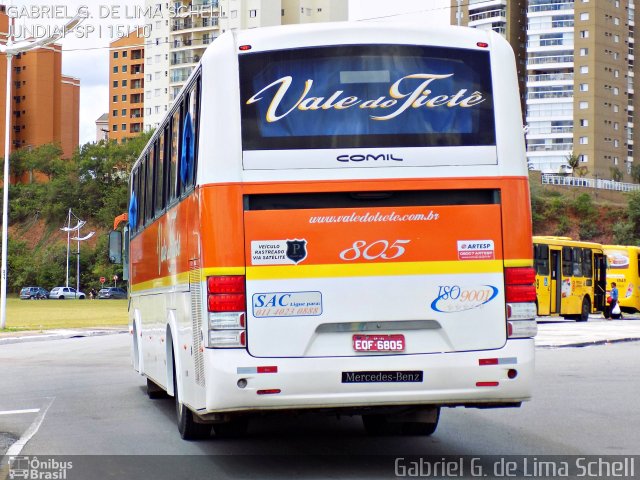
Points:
(82, 398)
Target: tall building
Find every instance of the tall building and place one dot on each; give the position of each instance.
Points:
(156, 51)
(126, 86)
(102, 128)
(579, 79)
(507, 17)
(580, 86)
(179, 39)
(45, 106)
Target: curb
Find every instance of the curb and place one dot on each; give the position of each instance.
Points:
(59, 336)
(594, 343)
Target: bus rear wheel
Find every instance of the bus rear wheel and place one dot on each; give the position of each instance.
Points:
(188, 428)
(381, 425)
(585, 311)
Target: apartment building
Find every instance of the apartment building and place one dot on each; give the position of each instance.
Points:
(579, 79)
(507, 17)
(179, 40)
(126, 86)
(45, 105)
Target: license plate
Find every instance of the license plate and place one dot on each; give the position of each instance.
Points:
(378, 343)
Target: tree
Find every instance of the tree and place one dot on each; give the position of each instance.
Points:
(616, 174)
(573, 160)
(635, 172)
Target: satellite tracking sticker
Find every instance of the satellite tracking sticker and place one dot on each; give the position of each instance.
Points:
(278, 252)
(476, 250)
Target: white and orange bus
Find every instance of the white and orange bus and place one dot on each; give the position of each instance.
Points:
(336, 218)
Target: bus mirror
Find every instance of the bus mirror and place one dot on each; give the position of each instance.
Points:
(115, 247)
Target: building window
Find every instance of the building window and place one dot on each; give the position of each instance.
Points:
(584, 69)
(616, 143)
(584, 16)
(115, 69)
(584, 87)
(616, 38)
(616, 91)
(282, 12)
(584, 52)
(583, 158)
(616, 126)
(124, 54)
(124, 98)
(115, 99)
(584, 33)
(124, 127)
(114, 128)
(234, 14)
(124, 83)
(115, 84)
(124, 112)
(584, 122)
(584, 105)
(616, 21)
(616, 108)
(584, 140)
(124, 68)
(253, 13)
(115, 113)
(115, 54)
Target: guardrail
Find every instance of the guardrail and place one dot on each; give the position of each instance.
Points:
(589, 183)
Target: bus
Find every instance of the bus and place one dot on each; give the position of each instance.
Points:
(335, 218)
(623, 267)
(571, 277)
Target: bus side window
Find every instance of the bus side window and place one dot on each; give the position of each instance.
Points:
(541, 255)
(175, 156)
(141, 203)
(567, 264)
(159, 177)
(133, 219)
(148, 209)
(577, 262)
(587, 268)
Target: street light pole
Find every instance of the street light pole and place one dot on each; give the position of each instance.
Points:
(5, 183)
(10, 49)
(80, 239)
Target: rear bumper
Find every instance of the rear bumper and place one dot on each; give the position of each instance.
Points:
(451, 379)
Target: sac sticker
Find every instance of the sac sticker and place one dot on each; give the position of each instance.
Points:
(476, 250)
(278, 252)
(286, 304)
(454, 298)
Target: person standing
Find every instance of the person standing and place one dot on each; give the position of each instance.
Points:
(613, 294)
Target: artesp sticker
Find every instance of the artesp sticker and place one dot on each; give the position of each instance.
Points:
(476, 250)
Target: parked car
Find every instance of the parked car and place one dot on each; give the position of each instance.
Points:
(62, 293)
(31, 293)
(112, 292)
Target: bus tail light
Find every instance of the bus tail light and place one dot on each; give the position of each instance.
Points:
(520, 296)
(226, 305)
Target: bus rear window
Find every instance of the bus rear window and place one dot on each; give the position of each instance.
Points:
(362, 96)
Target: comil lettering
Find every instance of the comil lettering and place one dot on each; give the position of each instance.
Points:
(403, 94)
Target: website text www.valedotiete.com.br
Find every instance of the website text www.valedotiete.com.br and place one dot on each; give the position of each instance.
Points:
(375, 217)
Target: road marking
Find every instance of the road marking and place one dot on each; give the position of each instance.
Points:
(17, 447)
(15, 412)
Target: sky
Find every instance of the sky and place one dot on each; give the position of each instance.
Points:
(86, 54)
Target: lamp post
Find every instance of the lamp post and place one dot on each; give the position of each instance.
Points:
(10, 49)
(68, 228)
(79, 239)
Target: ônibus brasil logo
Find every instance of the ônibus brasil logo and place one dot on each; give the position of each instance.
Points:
(453, 298)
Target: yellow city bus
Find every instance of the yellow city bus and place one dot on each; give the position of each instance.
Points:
(623, 268)
(570, 277)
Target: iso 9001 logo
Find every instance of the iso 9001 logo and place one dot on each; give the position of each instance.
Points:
(33, 468)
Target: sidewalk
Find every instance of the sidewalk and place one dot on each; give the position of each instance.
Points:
(556, 332)
(39, 336)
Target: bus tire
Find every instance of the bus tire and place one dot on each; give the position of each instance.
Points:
(377, 425)
(421, 428)
(235, 428)
(585, 311)
(154, 391)
(188, 428)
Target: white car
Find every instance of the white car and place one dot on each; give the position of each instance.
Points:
(62, 293)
